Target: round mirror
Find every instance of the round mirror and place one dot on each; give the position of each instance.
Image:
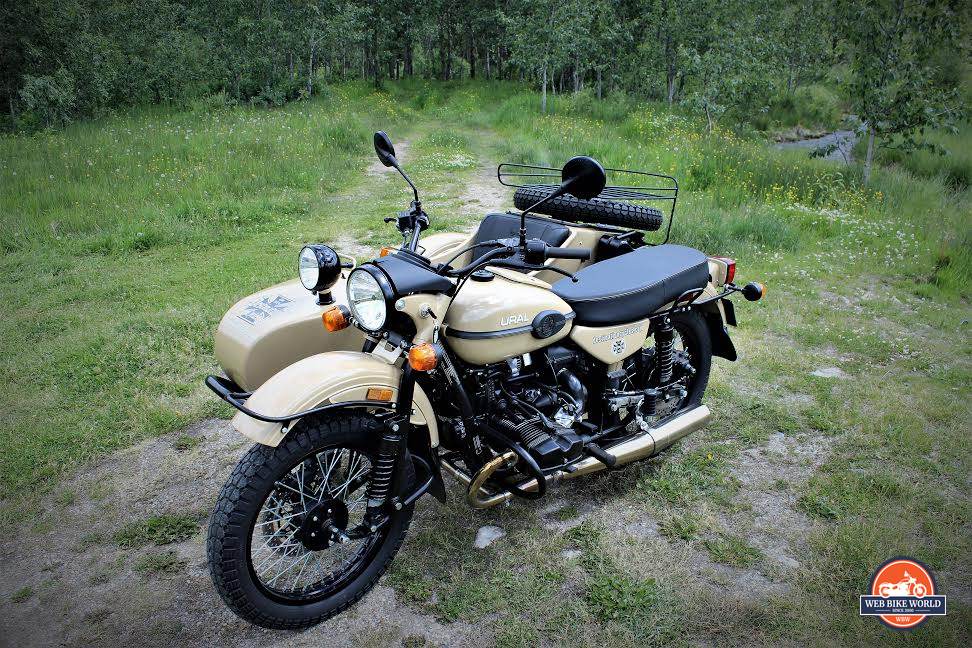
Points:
(583, 177)
(384, 149)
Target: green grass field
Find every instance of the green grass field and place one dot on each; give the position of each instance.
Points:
(124, 241)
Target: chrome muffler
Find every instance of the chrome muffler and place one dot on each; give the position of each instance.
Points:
(644, 445)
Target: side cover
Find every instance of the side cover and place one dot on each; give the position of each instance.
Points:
(330, 377)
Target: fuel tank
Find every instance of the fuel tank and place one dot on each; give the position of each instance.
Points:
(502, 314)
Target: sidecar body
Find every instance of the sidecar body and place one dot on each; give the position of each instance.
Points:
(271, 329)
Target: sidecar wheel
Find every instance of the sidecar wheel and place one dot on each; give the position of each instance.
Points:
(262, 558)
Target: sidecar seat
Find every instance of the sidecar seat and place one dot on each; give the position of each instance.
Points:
(499, 226)
(634, 285)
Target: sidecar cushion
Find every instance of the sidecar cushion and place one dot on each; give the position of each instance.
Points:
(634, 285)
(500, 226)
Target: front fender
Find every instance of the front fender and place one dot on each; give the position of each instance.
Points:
(330, 377)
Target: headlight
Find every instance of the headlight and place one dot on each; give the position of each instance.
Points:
(319, 267)
(309, 271)
(366, 299)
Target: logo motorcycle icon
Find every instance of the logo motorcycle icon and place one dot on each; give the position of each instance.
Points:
(902, 594)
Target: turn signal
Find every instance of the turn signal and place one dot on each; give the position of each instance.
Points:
(753, 291)
(335, 318)
(385, 251)
(422, 357)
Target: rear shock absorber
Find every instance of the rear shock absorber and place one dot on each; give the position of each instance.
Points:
(665, 343)
(664, 359)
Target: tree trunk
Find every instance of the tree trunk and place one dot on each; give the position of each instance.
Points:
(543, 94)
(472, 61)
(599, 83)
(310, 71)
(708, 119)
(870, 154)
(487, 63)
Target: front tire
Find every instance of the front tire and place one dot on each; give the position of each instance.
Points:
(261, 519)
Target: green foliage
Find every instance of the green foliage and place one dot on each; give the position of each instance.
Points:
(618, 596)
(751, 61)
(48, 100)
(895, 84)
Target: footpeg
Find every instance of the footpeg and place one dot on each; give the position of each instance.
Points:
(601, 455)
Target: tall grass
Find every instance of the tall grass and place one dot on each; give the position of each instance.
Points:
(156, 177)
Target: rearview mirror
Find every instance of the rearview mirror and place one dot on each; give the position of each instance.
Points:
(583, 177)
(385, 150)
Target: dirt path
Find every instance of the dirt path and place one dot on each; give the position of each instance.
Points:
(85, 588)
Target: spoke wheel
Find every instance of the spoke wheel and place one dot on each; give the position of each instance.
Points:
(278, 550)
(295, 548)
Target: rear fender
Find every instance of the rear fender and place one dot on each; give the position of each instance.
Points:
(717, 318)
(331, 377)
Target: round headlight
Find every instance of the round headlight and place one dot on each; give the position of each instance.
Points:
(366, 299)
(319, 267)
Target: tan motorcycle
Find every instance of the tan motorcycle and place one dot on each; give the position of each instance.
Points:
(550, 343)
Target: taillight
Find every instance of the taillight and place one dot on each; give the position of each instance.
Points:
(730, 268)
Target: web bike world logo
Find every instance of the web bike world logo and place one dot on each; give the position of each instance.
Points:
(902, 594)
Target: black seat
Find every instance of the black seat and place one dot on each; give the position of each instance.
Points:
(500, 226)
(633, 285)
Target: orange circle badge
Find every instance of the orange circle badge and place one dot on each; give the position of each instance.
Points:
(903, 594)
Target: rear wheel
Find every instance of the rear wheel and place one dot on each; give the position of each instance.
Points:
(275, 544)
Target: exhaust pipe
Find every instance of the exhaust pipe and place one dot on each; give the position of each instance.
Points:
(642, 446)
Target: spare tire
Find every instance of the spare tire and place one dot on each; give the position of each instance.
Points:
(596, 210)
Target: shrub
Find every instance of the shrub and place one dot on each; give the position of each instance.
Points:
(48, 100)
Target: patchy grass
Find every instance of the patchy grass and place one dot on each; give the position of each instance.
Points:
(166, 563)
(732, 550)
(23, 594)
(185, 442)
(157, 530)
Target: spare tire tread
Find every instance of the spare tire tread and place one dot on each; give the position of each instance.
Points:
(596, 210)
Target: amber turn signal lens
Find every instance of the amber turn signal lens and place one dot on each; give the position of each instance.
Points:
(385, 251)
(754, 291)
(335, 319)
(379, 394)
(422, 357)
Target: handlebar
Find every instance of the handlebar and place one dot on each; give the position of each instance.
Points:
(567, 253)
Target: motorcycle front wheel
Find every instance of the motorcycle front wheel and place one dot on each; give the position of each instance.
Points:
(273, 548)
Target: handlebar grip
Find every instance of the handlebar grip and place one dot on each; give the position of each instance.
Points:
(568, 253)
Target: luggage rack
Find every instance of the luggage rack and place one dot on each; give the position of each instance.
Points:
(624, 186)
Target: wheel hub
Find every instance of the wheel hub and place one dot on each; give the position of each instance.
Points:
(322, 524)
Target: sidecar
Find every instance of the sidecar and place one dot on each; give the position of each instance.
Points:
(274, 328)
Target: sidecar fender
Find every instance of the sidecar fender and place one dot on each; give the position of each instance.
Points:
(330, 377)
